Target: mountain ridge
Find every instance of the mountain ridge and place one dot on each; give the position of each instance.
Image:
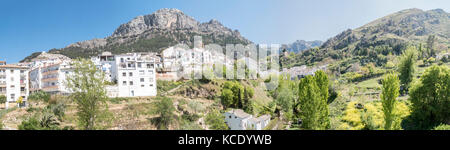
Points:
(152, 33)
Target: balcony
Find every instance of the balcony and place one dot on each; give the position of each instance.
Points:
(50, 72)
(50, 79)
(50, 88)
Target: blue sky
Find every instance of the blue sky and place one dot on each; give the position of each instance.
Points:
(28, 26)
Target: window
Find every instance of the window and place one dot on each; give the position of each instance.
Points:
(13, 96)
(124, 74)
(142, 80)
(131, 82)
(130, 74)
(124, 83)
(121, 60)
(141, 72)
(151, 80)
(142, 85)
(139, 65)
(12, 71)
(151, 85)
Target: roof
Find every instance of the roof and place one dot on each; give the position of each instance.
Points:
(13, 66)
(239, 113)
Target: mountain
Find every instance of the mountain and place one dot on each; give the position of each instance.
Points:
(388, 35)
(301, 45)
(152, 33)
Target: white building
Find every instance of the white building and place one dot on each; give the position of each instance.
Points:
(107, 64)
(14, 82)
(136, 75)
(54, 77)
(237, 119)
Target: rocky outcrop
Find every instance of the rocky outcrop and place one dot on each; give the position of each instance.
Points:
(90, 44)
(152, 33)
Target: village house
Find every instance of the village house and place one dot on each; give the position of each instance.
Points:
(237, 119)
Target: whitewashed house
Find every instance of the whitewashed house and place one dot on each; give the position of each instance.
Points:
(136, 75)
(14, 82)
(237, 119)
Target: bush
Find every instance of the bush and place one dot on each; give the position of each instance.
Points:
(371, 116)
(442, 127)
(216, 121)
(38, 122)
(39, 96)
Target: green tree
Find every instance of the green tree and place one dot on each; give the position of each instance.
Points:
(2, 99)
(234, 94)
(216, 120)
(431, 52)
(430, 97)
(89, 94)
(389, 94)
(312, 107)
(322, 82)
(227, 97)
(406, 66)
(165, 109)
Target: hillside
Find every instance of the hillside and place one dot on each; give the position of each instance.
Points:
(387, 35)
(152, 33)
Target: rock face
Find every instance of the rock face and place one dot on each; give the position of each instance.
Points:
(161, 19)
(167, 23)
(301, 45)
(90, 44)
(152, 33)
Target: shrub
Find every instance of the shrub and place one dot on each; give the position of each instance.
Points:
(39, 96)
(216, 121)
(442, 127)
(371, 116)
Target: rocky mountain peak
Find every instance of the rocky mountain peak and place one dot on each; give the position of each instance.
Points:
(162, 19)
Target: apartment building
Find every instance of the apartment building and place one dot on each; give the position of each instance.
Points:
(136, 74)
(14, 82)
(54, 76)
